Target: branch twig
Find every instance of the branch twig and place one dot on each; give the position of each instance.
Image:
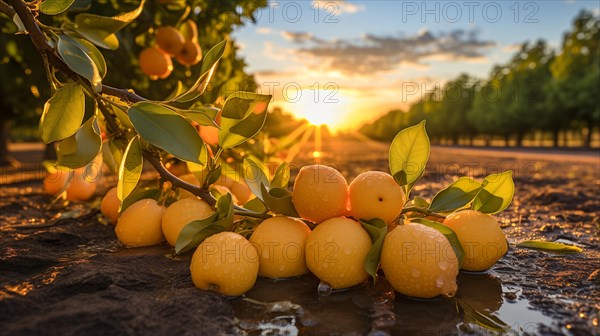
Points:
(6, 9)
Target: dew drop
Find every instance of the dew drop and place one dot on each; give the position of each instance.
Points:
(415, 272)
(443, 265)
(281, 267)
(439, 282)
(329, 239)
(347, 251)
(324, 289)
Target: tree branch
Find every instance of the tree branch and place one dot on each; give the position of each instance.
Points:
(41, 44)
(178, 183)
(126, 95)
(6, 9)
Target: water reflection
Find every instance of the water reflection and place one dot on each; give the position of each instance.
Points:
(295, 307)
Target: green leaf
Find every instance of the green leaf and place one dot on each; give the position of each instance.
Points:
(123, 117)
(549, 246)
(407, 188)
(74, 55)
(279, 201)
(100, 38)
(481, 318)
(203, 115)
(446, 231)
(377, 229)
(214, 175)
(255, 175)
(81, 148)
(140, 194)
(130, 169)
(63, 113)
(195, 232)
(53, 7)
(281, 178)
(166, 129)
(409, 153)
(497, 193)
(209, 64)
(460, 193)
(256, 205)
(108, 158)
(100, 30)
(225, 211)
(243, 116)
(95, 55)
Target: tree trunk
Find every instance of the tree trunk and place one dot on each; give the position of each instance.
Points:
(588, 137)
(555, 137)
(5, 159)
(488, 140)
(520, 137)
(507, 140)
(471, 139)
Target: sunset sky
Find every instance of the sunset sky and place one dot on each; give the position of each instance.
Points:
(345, 63)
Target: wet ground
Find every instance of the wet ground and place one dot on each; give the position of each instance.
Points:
(62, 271)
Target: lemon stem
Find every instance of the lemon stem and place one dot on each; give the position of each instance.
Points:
(422, 211)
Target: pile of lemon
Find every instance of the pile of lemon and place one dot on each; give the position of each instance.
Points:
(417, 260)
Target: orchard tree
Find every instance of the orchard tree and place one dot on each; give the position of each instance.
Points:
(576, 73)
(122, 29)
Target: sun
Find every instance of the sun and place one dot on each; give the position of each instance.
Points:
(320, 107)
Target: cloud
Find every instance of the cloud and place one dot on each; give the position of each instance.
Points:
(375, 53)
(264, 30)
(337, 7)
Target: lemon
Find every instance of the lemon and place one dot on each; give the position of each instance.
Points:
(375, 194)
(320, 193)
(181, 213)
(336, 252)
(139, 224)
(191, 179)
(226, 263)
(280, 242)
(480, 235)
(419, 261)
(110, 205)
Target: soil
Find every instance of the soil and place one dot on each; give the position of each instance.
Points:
(63, 272)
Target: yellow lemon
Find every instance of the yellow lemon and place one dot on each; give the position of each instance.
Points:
(139, 224)
(110, 205)
(241, 191)
(181, 213)
(226, 263)
(480, 235)
(375, 194)
(336, 252)
(419, 261)
(280, 242)
(82, 187)
(320, 193)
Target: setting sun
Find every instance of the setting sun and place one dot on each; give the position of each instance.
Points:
(321, 107)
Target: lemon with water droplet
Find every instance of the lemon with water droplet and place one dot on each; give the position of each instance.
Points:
(481, 237)
(336, 252)
(226, 263)
(280, 242)
(320, 193)
(411, 258)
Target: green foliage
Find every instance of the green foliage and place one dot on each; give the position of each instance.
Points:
(82, 147)
(497, 193)
(457, 195)
(73, 53)
(243, 116)
(196, 231)
(53, 7)
(549, 246)
(535, 91)
(130, 169)
(63, 113)
(168, 130)
(377, 230)
(409, 153)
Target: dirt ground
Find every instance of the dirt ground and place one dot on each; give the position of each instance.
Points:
(68, 275)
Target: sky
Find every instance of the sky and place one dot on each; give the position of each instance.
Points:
(345, 63)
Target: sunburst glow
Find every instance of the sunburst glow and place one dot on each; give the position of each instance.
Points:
(320, 107)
